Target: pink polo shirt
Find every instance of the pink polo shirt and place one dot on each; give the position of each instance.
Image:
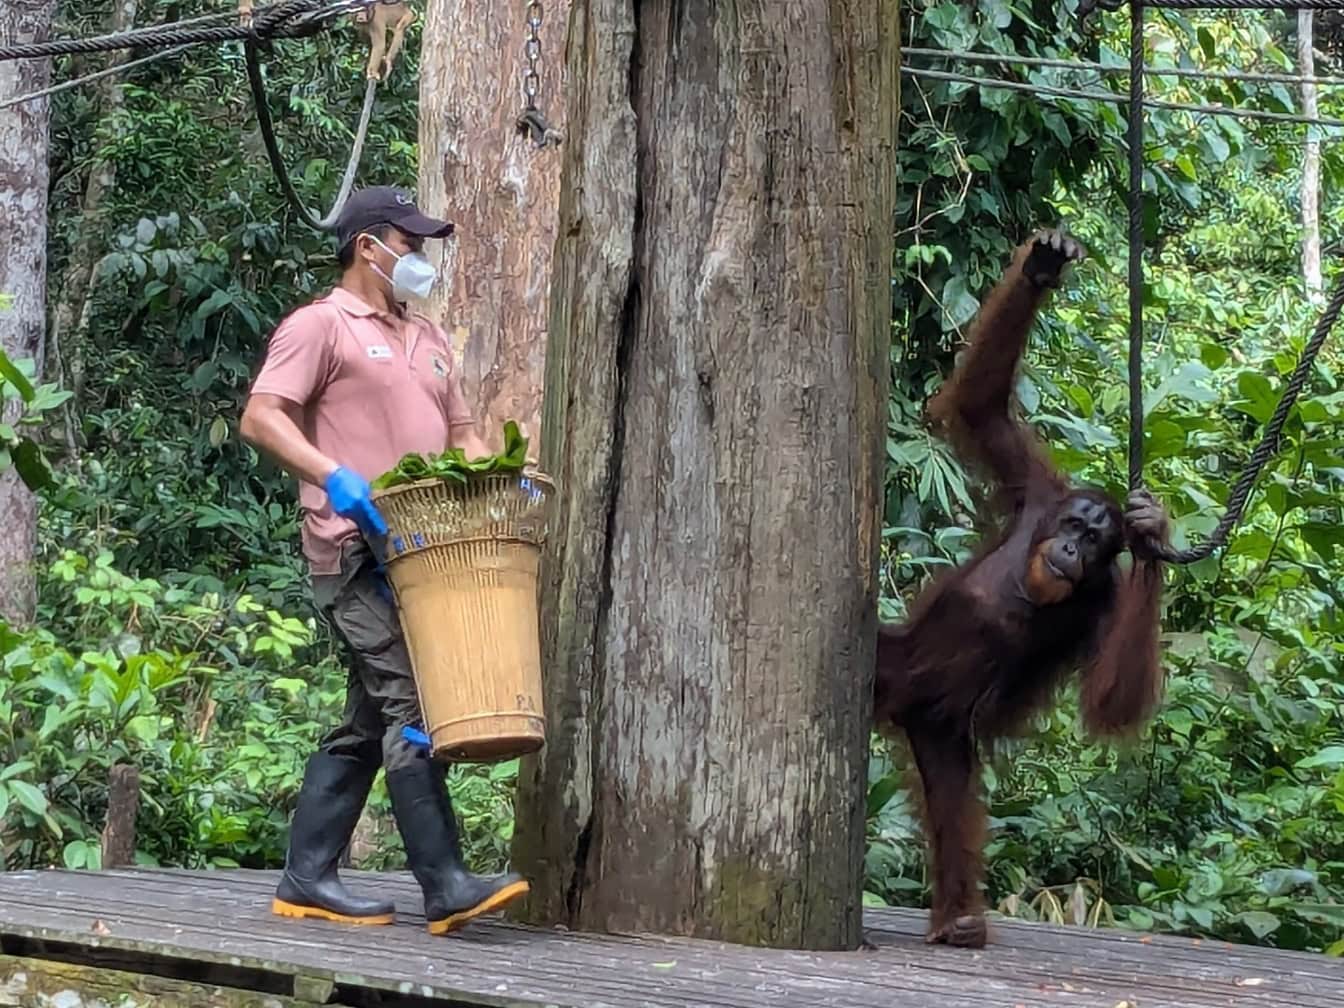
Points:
(373, 387)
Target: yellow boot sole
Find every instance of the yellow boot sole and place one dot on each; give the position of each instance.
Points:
(282, 909)
(505, 896)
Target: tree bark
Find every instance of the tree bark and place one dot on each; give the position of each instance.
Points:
(715, 409)
(1311, 161)
(123, 805)
(500, 191)
(23, 274)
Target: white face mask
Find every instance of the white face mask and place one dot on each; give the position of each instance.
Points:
(411, 276)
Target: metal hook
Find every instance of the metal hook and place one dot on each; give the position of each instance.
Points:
(543, 135)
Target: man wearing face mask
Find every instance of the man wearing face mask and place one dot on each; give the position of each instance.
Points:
(350, 383)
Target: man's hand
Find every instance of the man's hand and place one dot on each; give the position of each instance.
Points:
(350, 498)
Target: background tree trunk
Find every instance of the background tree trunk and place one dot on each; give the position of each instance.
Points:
(500, 191)
(1311, 161)
(70, 314)
(23, 274)
(715, 413)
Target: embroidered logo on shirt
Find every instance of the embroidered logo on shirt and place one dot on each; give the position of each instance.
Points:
(439, 366)
(380, 352)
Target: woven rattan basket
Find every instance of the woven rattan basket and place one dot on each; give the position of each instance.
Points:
(462, 559)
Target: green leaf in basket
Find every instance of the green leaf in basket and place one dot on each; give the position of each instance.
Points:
(454, 465)
(515, 447)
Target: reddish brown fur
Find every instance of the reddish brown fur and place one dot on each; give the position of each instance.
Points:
(987, 644)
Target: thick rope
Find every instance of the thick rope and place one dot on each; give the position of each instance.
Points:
(1088, 6)
(1285, 5)
(1135, 140)
(278, 20)
(1269, 441)
(278, 168)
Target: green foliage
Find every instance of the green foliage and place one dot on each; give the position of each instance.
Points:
(217, 699)
(20, 450)
(453, 464)
(1227, 819)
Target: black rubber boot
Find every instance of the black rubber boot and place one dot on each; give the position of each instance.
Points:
(428, 826)
(330, 801)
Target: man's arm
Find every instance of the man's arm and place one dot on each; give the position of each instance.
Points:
(271, 424)
(295, 370)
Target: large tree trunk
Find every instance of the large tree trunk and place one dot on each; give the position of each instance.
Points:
(23, 274)
(715, 412)
(1311, 162)
(500, 191)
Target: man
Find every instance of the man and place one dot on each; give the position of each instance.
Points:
(350, 383)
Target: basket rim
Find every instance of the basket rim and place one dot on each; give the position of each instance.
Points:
(536, 476)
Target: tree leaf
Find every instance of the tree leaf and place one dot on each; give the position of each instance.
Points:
(29, 797)
(31, 465)
(10, 373)
(1321, 913)
(1259, 922)
(1330, 756)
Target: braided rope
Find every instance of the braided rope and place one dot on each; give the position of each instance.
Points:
(1269, 441)
(1087, 6)
(278, 168)
(278, 20)
(1285, 5)
(1135, 142)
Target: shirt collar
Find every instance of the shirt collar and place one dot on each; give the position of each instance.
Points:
(355, 305)
(352, 303)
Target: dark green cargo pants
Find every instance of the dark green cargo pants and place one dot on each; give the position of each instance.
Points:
(380, 697)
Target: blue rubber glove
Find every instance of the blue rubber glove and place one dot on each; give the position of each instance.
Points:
(415, 737)
(350, 498)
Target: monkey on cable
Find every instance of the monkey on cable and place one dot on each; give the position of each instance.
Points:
(375, 21)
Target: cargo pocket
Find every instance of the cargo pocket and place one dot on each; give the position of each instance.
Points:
(366, 622)
(363, 617)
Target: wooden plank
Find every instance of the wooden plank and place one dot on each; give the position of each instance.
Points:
(194, 896)
(1115, 944)
(30, 983)
(688, 987)
(224, 917)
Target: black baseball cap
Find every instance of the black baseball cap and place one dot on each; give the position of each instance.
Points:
(367, 208)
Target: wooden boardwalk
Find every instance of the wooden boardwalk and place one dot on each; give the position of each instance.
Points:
(140, 938)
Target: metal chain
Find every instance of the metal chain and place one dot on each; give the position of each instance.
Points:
(530, 120)
(532, 47)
